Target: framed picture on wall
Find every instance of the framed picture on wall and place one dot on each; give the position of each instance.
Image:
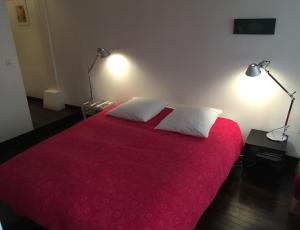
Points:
(21, 12)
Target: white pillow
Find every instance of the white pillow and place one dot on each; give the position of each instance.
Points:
(190, 121)
(138, 109)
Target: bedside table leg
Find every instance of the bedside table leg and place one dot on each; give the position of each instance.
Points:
(293, 204)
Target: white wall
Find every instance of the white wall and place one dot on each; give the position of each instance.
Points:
(184, 52)
(15, 117)
(33, 49)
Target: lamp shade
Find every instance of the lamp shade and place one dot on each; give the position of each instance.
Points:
(102, 52)
(253, 70)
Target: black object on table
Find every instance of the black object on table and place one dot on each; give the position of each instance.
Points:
(259, 151)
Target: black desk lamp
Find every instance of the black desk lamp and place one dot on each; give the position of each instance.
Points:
(101, 53)
(253, 71)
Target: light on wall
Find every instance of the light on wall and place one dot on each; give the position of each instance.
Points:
(255, 90)
(117, 65)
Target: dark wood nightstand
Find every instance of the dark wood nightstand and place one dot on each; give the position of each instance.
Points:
(261, 152)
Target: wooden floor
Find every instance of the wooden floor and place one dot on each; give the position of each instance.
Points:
(41, 117)
(252, 202)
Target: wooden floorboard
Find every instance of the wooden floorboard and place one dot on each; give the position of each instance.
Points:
(252, 203)
(41, 117)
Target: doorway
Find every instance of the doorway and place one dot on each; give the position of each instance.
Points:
(32, 43)
(32, 37)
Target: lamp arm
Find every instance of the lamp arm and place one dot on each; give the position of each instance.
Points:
(89, 73)
(93, 64)
(288, 115)
(291, 95)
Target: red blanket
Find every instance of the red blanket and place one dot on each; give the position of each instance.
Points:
(107, 173)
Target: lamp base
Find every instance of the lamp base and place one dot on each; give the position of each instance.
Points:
(276, 136)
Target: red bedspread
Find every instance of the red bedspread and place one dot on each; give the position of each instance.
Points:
(107, 173)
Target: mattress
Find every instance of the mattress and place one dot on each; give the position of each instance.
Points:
(108, 173)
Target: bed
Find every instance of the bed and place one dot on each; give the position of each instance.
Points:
(108, 173)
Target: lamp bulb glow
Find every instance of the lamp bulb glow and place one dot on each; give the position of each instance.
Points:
(117, 65)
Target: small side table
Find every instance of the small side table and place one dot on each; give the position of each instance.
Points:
(259, 150)
(90, 109)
